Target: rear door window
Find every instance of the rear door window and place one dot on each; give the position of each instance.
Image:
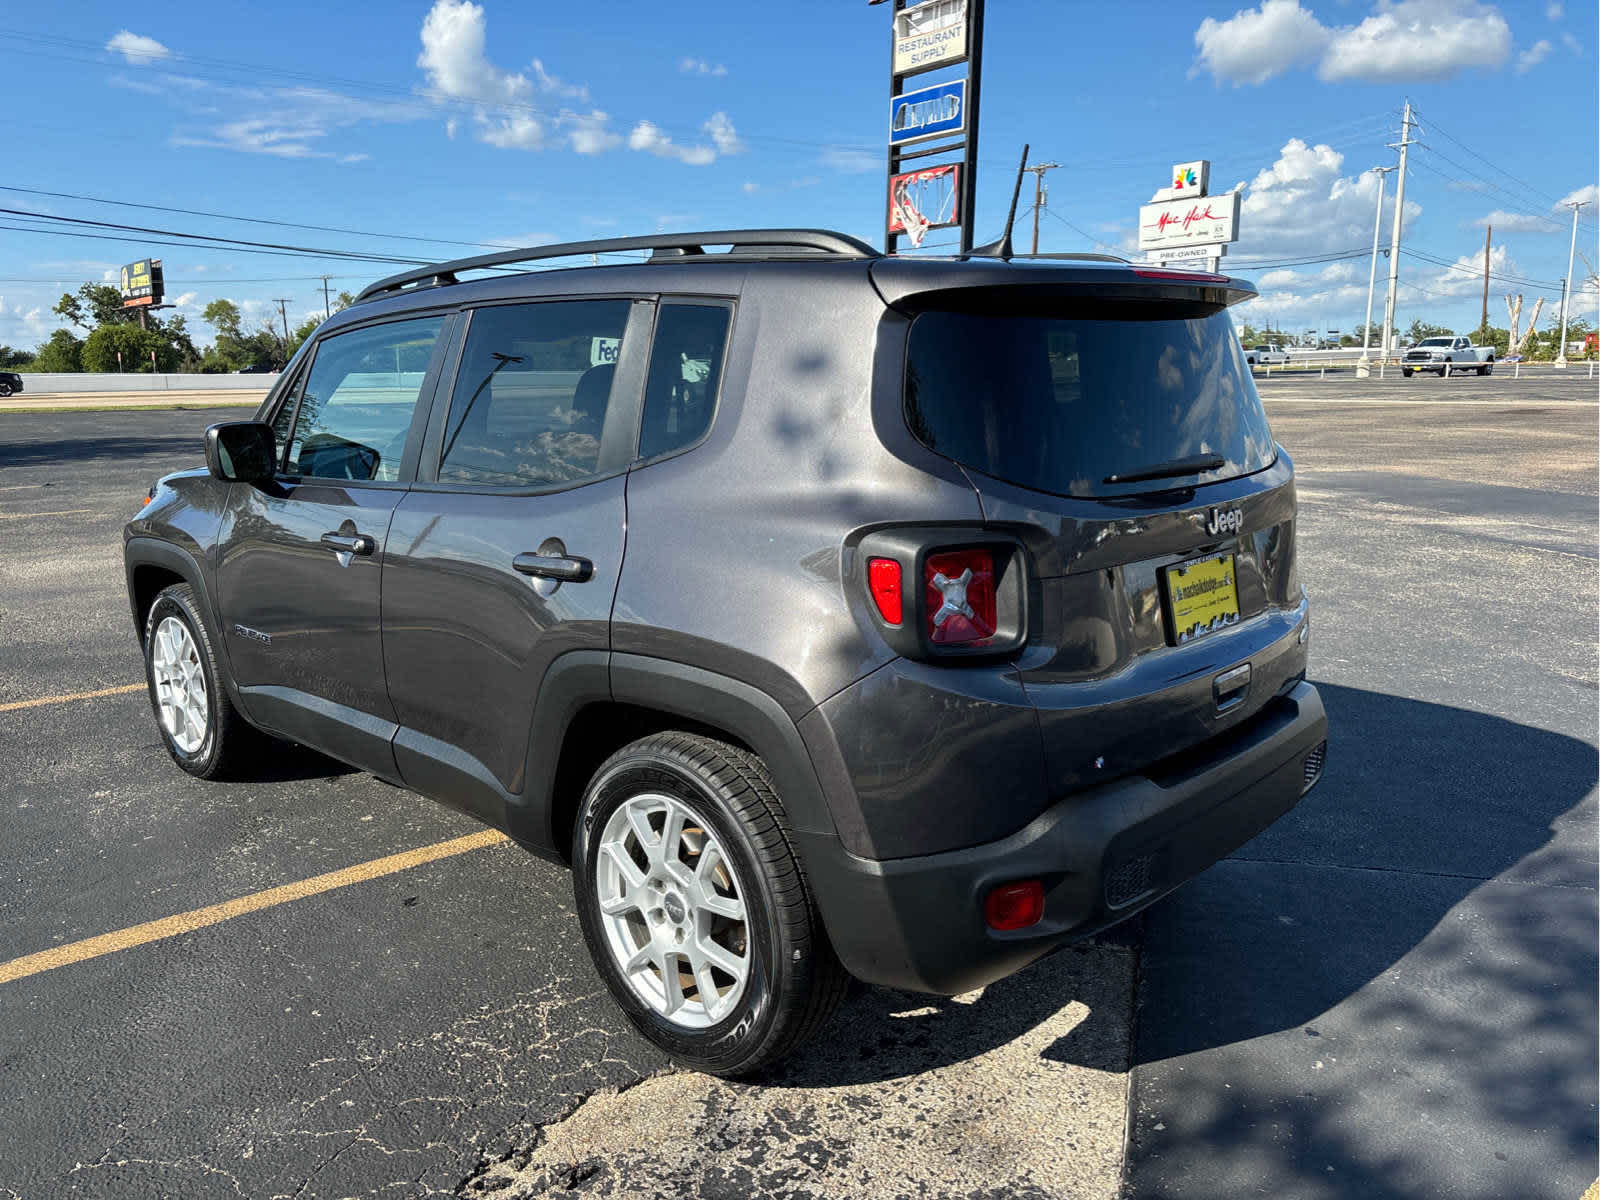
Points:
(531, 393)
(685, 373)
(356, 409)
(1060, 403)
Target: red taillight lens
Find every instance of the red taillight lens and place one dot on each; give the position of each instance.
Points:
(883, 580)
(1015, 905)
(959, 586)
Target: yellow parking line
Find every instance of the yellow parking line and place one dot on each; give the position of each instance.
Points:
(154, 931)
(42, 700)
(62, 512)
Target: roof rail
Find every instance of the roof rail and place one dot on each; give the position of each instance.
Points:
(744, 243)
(1077, 256)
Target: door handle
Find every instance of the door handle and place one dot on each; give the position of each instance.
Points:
(351, 543)
(560, 567)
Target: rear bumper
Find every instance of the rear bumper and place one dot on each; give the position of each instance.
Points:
(1103, 854)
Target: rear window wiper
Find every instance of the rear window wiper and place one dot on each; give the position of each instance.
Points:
(1192, 465)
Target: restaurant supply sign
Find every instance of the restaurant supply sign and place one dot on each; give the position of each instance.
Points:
(929, 34)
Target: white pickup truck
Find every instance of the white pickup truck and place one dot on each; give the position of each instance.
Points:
(1447, 356)
(1264, 356)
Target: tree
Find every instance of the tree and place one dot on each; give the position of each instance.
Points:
(223, 316)
(1422, 329)
(301, 332)
(102, 347)
(15, 358)
(93, 305)
(62, 353)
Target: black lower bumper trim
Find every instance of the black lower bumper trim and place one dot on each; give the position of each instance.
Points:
(1102, 854)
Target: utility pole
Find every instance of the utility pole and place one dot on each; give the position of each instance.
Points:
(1039, 194)
(327, 305)
(283, 311)
(1566, 287)
(1483, 325)
(1394, 241)
(1364, 366)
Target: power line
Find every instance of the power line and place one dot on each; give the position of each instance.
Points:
(1528, 187)
(194, 212)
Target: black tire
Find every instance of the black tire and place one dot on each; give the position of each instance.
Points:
(229, 744)
(794, 981)
(1487, 368)
(1406, 372)
(5, 389)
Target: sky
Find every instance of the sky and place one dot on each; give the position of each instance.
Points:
(433, 129)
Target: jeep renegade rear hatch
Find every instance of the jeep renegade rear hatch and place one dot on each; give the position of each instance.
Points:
(1086, 398)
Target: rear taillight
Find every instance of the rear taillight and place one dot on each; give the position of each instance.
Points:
(959, 600)
(1014, 905)
(883, 580)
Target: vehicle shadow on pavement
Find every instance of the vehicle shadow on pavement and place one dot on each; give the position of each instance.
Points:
(1082, 994)
(1398, 977)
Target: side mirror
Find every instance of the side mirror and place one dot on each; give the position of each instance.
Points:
(241, 452)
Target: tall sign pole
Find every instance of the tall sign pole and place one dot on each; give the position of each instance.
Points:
(1363, 366)
(1394, 241)
(1566, 288)
(932, 121)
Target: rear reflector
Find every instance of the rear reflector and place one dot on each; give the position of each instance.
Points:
(1014, 905)
(883, 580)
(960, 598)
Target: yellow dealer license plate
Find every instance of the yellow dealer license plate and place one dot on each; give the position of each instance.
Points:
(1202, 596)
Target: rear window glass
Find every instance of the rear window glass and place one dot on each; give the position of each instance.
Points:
(1058, 404)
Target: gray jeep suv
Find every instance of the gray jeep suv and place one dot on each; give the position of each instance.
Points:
(829, 613)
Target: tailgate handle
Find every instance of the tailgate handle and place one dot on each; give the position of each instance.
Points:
(1231, 687)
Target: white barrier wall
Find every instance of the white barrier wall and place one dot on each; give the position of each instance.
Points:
(92, 381)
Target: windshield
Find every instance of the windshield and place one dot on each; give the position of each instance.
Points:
(1061, 404)
(1436, 341)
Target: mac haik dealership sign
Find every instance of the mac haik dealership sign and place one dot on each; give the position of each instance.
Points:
(1197, 221)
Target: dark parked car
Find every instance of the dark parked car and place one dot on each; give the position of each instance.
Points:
(10, 382)
(829, 613)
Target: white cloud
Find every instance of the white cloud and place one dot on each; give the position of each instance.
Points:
(1402, 40)
(1418, 40)
(1584, 195)
(591, 133)
(1255, 44)
(1554, 11)
(1532, 56)
(556, 87)
(699, 66)
(1572, 43)
(187, 299)
(750, 189)
(296, 122)
(723, 134)
(137, 49)
(519, 132)
(1304, 204)
(1465, 276)
(1515, 222)
(453, 36)
(850, 160)
(650, 138)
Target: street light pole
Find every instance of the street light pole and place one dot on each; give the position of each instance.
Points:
(1394, 243)
(1566, 286)
(1364, 366)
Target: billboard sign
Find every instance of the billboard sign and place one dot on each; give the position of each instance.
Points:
(1206, 221)
(928, 34)
(924, 200)
(141, 283)
(1189, 180)
(928, 112)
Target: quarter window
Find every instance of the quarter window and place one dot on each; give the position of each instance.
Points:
(532, 392)
(685, 370)
(356, 410)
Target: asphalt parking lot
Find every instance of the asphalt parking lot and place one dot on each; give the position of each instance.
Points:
(1390, 993)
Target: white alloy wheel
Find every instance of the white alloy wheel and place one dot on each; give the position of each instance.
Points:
(672, 910)
(180, 685)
